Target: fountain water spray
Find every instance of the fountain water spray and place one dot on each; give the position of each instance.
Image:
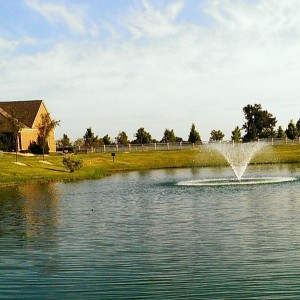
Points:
(238, 155)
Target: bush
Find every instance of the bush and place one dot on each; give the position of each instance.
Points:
(37, 148)
(72, 164)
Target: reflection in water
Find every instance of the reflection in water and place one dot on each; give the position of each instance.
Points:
(29, 209)
(40, 209)
(139, 235)
(29, 222)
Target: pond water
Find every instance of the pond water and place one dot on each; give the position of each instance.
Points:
(141, 235)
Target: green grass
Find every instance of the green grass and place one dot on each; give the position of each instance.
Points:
(101, 164)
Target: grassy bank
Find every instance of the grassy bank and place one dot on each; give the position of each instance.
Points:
(31, 169)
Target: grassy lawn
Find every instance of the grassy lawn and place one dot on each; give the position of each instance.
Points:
(97, 165)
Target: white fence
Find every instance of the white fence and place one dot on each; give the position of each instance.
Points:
(139, 147)
(169, 146)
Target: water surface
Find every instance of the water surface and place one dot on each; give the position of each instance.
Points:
(140, 235)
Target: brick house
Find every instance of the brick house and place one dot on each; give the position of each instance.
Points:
(29, 113)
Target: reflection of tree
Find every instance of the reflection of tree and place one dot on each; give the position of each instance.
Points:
(29, 218)
(29, 210)
(11, 216)
(40, 209)
(41, 218)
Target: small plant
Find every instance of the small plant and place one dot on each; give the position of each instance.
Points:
(72, 164)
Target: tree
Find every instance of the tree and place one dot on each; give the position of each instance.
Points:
(45, 127)
(122, 138)
(236, 135)
(16, 126)
(106, 140)
(64, 142)
(99, 142)
(291, 131)
(298, 127)
(89, 139)
(280, 133)
(169, 136)
(78, 143)
(194, 135)
(268, 133)
(216, 135)
(142, 137)
(258, 122)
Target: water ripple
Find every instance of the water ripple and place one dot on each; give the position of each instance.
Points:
(143, 237)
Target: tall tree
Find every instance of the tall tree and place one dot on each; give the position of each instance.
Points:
(258, 121)
(280, 133)
(122, 138)
(291, 131)
(142, 136)
(106, 140)
(45, 127)
(216, 135)
(236, 135)
(89, 139)
(169, 136)
(194, 135)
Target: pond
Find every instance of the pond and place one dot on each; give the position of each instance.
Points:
(141, 235)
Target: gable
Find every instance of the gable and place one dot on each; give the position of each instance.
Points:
(26, 111)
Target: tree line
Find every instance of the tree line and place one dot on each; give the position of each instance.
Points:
(259, 124)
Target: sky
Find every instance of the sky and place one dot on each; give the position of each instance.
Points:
(118, 65)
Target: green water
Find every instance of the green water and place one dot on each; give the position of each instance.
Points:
(142, 236)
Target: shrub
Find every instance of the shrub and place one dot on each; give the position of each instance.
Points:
(36, 147)
(72, 164)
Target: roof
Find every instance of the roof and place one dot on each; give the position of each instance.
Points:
(25, 111)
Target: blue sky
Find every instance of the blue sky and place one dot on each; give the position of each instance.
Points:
(118, 65)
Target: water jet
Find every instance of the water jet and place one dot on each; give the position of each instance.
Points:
(238, 155)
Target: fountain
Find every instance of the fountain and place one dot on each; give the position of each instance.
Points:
(238, 155)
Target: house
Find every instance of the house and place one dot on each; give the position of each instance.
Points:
(29, 113)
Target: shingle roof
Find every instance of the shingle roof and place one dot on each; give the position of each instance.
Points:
(26, 111)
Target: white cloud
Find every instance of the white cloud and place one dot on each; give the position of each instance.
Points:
(202, 74)
(72, 16)
(151, 22)
(7, 45)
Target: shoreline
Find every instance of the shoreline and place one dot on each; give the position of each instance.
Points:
(32, 169)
